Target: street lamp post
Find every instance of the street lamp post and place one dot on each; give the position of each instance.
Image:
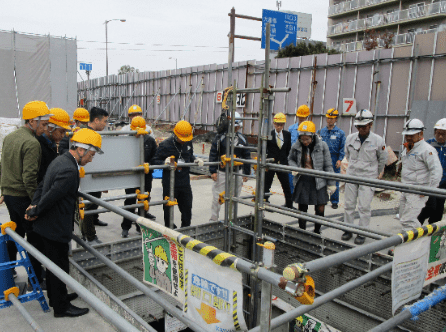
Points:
(106, 42)
(176, 63)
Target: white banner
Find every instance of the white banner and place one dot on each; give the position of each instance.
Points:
(214, 295)
(409, 271)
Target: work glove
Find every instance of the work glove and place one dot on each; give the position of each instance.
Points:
(199, 161)
(331, 190)
(294, 173)
(167, 161)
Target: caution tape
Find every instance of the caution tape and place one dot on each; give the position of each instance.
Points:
(234, 311)
(419, 232)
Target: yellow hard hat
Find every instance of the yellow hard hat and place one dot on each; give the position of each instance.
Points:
(138, 122)
(280, 118)
(307, 128)
(303, 111)
(86, 138)
(161, 253)
(60, 118)
(183, 130)
(35, 109)
(81, 114)
(332, 113)
(135, 109)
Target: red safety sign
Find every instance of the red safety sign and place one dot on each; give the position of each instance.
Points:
(349, 106)
(219, 97)
(158, 99)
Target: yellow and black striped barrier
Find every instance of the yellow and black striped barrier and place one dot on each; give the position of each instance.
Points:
(420, 232)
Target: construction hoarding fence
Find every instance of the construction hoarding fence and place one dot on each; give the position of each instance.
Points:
(394, 84)
(36, 67)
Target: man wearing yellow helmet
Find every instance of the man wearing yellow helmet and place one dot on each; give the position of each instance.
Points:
(279, 148)
(134, 111)
(81, 118)
(312, 153)
(179, 146)
(20, 164)
(335, 139)
(52, 212)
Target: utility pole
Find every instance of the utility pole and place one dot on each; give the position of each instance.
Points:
(278, 4)
(106, 42)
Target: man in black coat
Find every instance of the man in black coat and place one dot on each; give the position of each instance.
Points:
(52, 211)
(138, 123)
(180, 146)
(279, 148)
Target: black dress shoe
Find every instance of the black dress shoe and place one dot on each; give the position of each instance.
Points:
(359, 239)
(100, 223)
(346, 236)
(72, 311)
(70, 297)
(150, 216)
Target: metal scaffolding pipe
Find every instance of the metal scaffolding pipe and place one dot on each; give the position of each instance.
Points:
(413, 310)
(88, 297)
(114, 198)
(112, 296)
(241, 265)
(327, 221)
(404, 187)
(344, 256)
(327, 297)
(316, 219)
(15, 301)
(125, 207)
(173, 310)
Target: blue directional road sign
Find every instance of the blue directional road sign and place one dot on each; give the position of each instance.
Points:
(283, 28)
(85, 66)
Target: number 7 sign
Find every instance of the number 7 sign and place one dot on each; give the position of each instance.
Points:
(349, 106)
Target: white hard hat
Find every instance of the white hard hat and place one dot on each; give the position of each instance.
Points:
(413, 126)
(441, 124)
(237, 121)
(363, 117)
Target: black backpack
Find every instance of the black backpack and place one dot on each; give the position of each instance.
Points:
(222, 123)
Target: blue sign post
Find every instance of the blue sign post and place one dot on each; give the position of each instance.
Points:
(283, 28)
(85, 66)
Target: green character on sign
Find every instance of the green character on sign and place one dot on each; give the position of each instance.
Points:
(162, 264)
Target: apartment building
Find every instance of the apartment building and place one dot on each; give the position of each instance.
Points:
(347, 20)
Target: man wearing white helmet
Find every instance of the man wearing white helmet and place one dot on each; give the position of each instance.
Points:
(366, 155)
(218, 174)
(420, 166)
(435, 205)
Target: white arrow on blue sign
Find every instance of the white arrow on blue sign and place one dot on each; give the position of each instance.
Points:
(283, 28)
(85, 66)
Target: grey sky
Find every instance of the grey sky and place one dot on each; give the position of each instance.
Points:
(193, 31)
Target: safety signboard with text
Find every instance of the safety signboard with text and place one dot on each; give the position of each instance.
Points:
(283, 28)
(436, 266)
(214, 296)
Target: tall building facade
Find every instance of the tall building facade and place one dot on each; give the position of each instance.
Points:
(347, 21)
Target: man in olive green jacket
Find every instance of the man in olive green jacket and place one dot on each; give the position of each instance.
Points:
(20, 163)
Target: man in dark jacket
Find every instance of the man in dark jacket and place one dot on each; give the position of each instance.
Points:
(218, 149)
(138, 123)
(279, 149)
(180, 146)
(53, 209)
(81, 118)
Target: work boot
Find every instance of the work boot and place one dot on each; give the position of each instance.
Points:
(94, 242)
(359, 239)
(125, 233)
(346, 236)
(334, 206)
(100, 223)
(390, 252)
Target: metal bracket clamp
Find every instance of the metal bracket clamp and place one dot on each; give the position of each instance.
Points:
(221, 198)
(146, 204)
(140, 132)
(81, 172)
(146, 167)
(254, 166)
(170, 203)
(141, 196)
(10, 224)
(81, 208)
(225, 160)
(12, 290)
